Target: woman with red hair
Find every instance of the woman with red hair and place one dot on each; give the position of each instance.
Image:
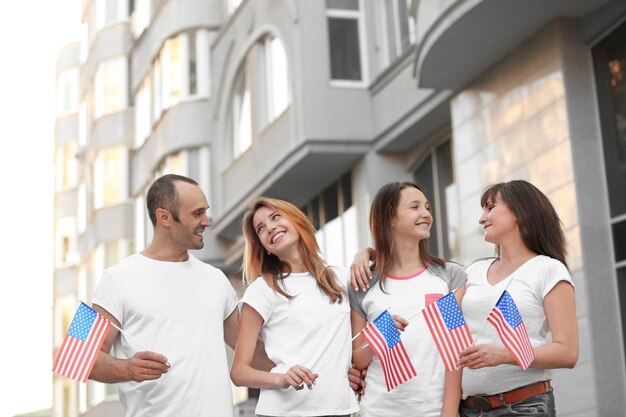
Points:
(300, 308)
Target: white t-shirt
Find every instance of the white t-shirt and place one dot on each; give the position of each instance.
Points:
(528, 286)
(305, 331)
(176, 309)
(421, 396)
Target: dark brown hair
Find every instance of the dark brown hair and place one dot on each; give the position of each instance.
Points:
(539, 224)
(382, 215)
(162, 194)
(257, 262)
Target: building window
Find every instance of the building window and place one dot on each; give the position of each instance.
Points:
(344, 19)
(180, 72)
(241, 112)
(111, 87)
(232, 5)
(398, 28)
(277, 90)
(110, 11)
(141, 17)
(110, 176)
(67, 91)
(143, 119)
(435, 175)
(65, 242)
(66, 166)
(610, 70)
(334, 218)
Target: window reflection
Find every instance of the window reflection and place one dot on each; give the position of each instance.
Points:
(335, 220)
(111, 84)
(436, 176)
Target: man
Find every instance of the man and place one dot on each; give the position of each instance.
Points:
(175, 304)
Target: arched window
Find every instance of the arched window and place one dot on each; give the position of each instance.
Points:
(261, 91)
(277, 94)
(241, 112)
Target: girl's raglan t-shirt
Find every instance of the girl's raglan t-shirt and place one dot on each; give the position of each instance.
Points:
(305, 330)
(406, 296)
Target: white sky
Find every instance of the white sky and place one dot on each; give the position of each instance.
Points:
(31, 34)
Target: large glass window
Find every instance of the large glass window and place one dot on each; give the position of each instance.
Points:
(344, 36)
(179, 72)
(334, 218)
(111, 87)
(110, 11)
(276, 77)
(435, 175)
(171, 72)
(66, 166)
(241, 112)
(67, 91)
(141, 16)
(143, 119)
(232, 5)
(110, 176)
(398, 27)
(610, 69)
(65, 242)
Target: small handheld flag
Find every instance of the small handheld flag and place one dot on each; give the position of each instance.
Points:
(384, 338)
(508, 323)
(448, 329)
(81, 345)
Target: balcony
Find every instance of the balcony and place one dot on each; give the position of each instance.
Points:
(458, 40)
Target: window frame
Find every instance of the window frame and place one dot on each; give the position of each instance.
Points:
(359, 17)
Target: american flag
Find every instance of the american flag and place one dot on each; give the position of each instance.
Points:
(449, 329)
(384, 338)
(510, 327)
(82, 343)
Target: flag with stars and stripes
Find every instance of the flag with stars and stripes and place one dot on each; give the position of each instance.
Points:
(448, 329)
(384, 339)
(508, 323)
(82, 343)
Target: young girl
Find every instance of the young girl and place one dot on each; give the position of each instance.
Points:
(406, 279)
(530, 264)
(300, 308)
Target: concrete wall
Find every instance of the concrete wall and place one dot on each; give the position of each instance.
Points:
(526, 118)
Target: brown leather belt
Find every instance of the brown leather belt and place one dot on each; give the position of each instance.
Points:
(489, 402)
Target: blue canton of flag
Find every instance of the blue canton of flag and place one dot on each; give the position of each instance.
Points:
(448, 329)
(384, 340)
(387, 327)
(82, 322)
(507, 320)
(451, 313)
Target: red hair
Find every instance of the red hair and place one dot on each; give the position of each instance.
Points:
(257, 262)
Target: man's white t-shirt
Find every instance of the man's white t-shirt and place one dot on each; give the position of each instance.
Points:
(528, 286)
(176, 309)
(306, 330)
(421, 396)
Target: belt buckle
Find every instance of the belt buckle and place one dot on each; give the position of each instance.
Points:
(482, 403)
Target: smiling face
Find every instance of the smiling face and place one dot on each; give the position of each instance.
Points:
(276, 232)
(498, 221)
(186, 232)
(413, 218)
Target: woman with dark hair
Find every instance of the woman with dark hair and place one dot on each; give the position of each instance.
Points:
(406, 279)
(530, 264)
(299, 306)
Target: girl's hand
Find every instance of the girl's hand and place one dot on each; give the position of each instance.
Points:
(400, 322)
(360, 272)
(297, 376)
(482, 356)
